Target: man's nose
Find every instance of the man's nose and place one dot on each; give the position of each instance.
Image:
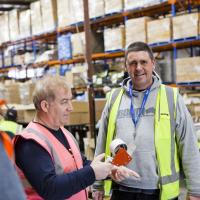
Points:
(138, 66)
(70, 106)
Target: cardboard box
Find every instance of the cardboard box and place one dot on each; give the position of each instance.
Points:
(113, 6)
(114, 38)
(185, 26)
(79, 72)
(12, 93)
(25, 23)
(26, 91)
(14, 24)
(64, 13)
(4, 24)
(77, 16)
(188, 69)
(96, 8)
(130, 4)
(36, 18)
(49, 14)
(159, 30)
(136, 30)
(78, 43)
(80, 114)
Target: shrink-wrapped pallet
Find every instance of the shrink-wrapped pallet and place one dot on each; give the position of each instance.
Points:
(49, 14)
(114, 38)
(136, 30)
(96, 8)
(4, 24)
(159, 30)
(14, 24)
(36, 18)
(185, 26)
(64, 47)
(113, 6)
(25, 23)
(188, 69)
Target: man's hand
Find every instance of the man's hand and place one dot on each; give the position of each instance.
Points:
(193, 198)
(98, 195)
(121, 173)
(101, 169)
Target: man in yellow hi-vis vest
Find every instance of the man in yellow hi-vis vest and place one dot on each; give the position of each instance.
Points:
(154, 118)
(9, 123)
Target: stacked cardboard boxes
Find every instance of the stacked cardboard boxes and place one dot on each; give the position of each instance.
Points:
(96, 8)
(14, 24)
(36, 18)
(159, 30)
(114, 38)
(136, 30)
(49, 14)
(185, 26)
(25, 23)
(4, 24)
(113, 6)
(188, 69)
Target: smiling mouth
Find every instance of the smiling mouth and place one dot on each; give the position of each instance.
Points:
(139, 74)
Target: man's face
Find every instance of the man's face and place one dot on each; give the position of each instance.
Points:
(140, 68)
(60, 108)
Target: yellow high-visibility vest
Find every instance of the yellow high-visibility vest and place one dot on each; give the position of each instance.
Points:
(13, 127)
(165, 145)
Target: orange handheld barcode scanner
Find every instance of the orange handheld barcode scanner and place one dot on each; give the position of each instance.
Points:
(120, 154)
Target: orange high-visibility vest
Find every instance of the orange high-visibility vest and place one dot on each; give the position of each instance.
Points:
(7, 143)
(64, 161)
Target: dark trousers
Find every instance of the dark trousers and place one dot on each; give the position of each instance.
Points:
(121, 195)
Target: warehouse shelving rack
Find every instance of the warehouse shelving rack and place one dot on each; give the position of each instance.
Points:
(117, 18)
(152, 11)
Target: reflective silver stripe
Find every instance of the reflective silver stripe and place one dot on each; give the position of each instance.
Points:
(114, 94)
(58, 168)
(171, 106)
(170, 179)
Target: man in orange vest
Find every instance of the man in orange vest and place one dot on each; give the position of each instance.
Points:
(48, 155)
(10, 186)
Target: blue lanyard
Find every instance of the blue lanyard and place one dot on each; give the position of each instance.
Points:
(135, 117)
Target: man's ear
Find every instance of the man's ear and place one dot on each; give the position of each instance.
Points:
(154, 64)
(44, 105)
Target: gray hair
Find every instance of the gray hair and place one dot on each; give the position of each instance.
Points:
(45, 89)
